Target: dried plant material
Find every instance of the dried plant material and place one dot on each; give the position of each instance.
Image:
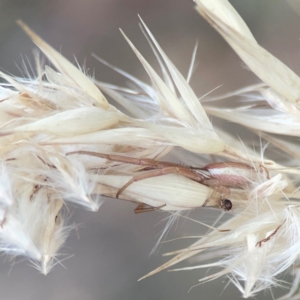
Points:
(170, 190)
(196, 133)
(262, 245)
(267, 119)
(268, 248)
(63, 145)
(55, 114)
(249, 235)
(267, 67)
(65, 67)
(186, 92)
(116, 136)
(72, 122)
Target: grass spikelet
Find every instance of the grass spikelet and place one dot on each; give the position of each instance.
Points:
(267, 67)
(259, 242)
(197, 134)
(65, 67)
(63, 145)
(72, 122)
(72, 182)
(169, 191)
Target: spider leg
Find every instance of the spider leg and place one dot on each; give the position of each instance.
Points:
(221, 189)
(213, 196)
(129, 160)
(258, 244)
(36, 188)
(164, 171)
(142, 208)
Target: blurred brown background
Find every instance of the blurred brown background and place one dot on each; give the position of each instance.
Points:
(114, 245)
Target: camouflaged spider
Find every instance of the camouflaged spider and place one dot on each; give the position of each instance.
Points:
(220, 176)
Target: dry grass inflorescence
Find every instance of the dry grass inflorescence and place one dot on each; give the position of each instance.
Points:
(63, 143)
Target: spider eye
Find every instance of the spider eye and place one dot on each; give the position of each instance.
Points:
(227, 204)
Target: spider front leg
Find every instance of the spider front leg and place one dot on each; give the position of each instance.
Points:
(142, 208)
(147, 162)
(224, 191)
(220, 191)
(259, 243)
(164, 171)
(138, 178)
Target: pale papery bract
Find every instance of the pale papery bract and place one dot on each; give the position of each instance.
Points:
(57, 113)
